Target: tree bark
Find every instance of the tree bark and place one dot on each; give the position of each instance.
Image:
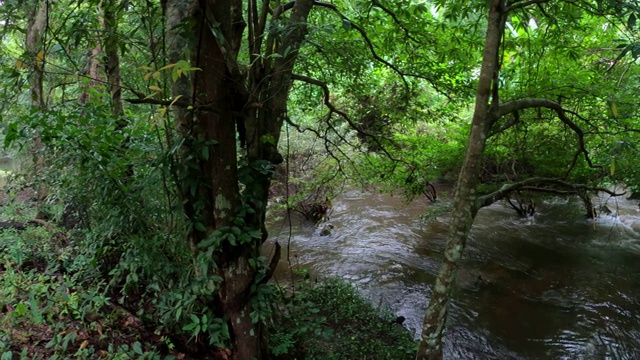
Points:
(92, 71)
(464, 204)
(111, 11)
(255, 100)
(35, 31)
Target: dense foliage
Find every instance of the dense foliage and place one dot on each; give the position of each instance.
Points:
(157, 165)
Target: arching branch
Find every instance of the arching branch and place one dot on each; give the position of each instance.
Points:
(515, 105)
(326, 94)
(511, 123)
(403, 75)
(540, 184)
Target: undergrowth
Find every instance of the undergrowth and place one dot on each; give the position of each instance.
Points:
(49, 312)
(331, 320)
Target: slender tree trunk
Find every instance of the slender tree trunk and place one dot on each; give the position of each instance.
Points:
(35, 31)
(92, 71)
(110, 25)
(464, 205)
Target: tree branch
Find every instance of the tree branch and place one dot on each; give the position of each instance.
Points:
(333, 109)
(366, 39)
(517, 4)
(513, 122)
(403, 75)
(557, 186)
(377, 4)
(515, 105)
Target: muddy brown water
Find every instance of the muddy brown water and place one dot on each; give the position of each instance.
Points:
(553, 286)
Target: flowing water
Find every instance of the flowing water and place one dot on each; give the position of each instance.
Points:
(552, 286)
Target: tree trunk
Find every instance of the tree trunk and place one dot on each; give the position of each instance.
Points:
(34, 44)
(111, 11)
(221, 95)
(92, 71)
(464, 205)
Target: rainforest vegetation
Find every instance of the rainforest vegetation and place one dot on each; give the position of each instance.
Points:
(154, 141)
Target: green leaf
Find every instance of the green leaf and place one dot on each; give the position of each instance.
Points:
(268, 139)
(11, 135)
(137, 348)
(346, 24)
(205, 153)
(244, 238)
(189, 326)
(7, 355)
(199, 226)
(211, 240)
(612, 167)
(21, 309)
(194, 318)
(232, 239)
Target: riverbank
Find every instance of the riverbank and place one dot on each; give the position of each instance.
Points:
(50, 308)
(554, 285)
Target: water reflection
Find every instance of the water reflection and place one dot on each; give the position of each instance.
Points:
(554, 286)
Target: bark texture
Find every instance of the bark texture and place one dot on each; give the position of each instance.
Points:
(224, 101)
(36, 28)
(464, 204)
(111, 12)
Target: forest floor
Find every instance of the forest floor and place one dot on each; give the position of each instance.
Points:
(50, 313)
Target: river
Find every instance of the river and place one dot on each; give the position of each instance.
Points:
(553, 286)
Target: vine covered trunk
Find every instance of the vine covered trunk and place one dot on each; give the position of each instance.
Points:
(219, 108)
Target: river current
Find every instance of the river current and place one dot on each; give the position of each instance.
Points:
(552, 286)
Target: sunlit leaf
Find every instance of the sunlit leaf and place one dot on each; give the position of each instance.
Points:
(612, 167)
(39, 58)
(151, 95)
(176, 99)
(167, 67)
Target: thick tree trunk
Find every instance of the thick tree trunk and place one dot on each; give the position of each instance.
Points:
(209, 152)
(464, 205)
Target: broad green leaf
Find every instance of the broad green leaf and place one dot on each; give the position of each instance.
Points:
(199, 226)
(137, 348)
